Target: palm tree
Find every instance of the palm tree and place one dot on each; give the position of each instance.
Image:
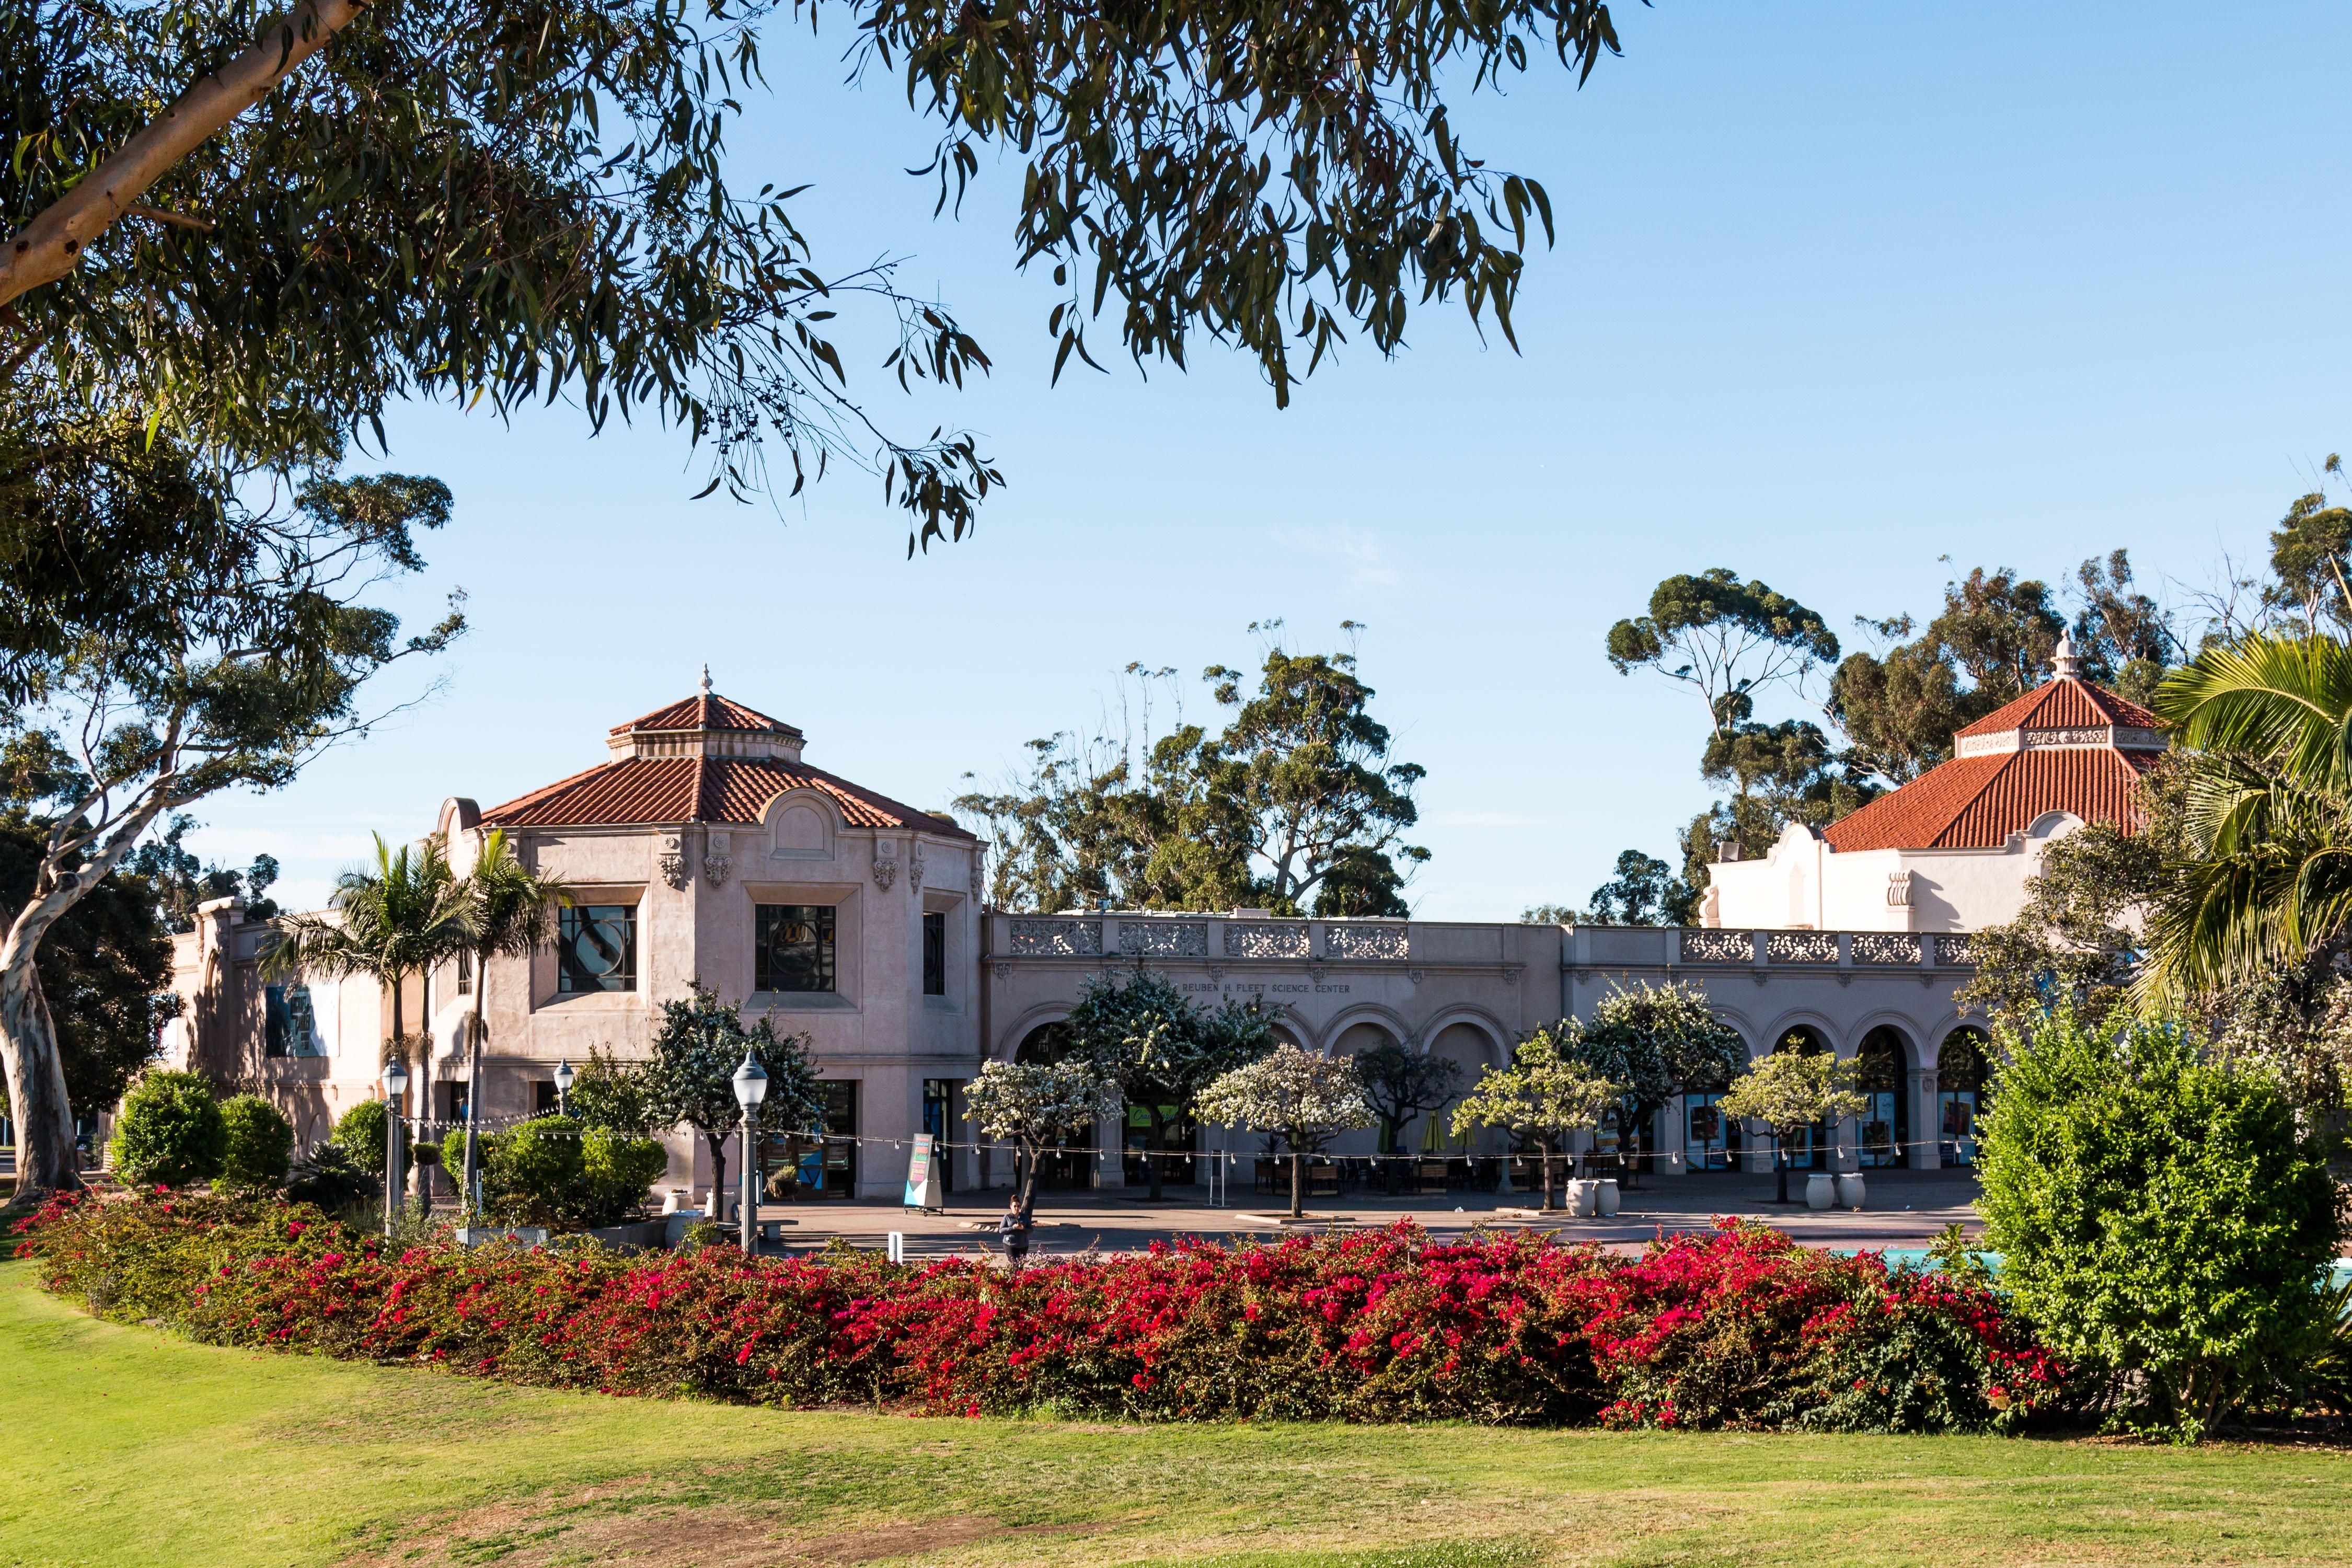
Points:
(506, 916)
(2267, 880)
(400, 916)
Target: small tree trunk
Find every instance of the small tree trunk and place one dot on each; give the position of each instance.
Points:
(1297, 1183)
(1780, 1164)
(1158, 1157)
(1543, 1153)
(1025, 1181)
(718, 1142)
(472, 1173)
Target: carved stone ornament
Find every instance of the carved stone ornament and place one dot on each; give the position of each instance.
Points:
(886, 872)
(673, 865)
(979, 875)
(1216, 973)
(1003, 970)
(914, 869)
(717, 862)
(1511, 975)
(1315, 972)
(1414, 975)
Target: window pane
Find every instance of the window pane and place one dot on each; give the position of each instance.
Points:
(793, 948)
(935, 955)
(596, 948)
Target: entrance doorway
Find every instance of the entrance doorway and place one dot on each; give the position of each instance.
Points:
(1886, 1125)
(1960, 1085)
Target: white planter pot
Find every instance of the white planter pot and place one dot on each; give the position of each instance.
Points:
(1605, 1195)
(1819, 1191)
(1583, 1198)
(1850, 1190)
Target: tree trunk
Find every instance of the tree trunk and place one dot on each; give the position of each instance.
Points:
(1543, 1153)
(474, 1087)
(426, 1107)
(30, 1058)
(1780, 1165)
(1297, 1183)
(1024, 1179)
(36, 1084)
(718, 1142)
(1158, 1157)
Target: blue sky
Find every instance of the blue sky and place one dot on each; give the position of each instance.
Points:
(1840, 289)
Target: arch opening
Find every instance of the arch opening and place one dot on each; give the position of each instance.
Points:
(1886, 1126)
(1963, 1083)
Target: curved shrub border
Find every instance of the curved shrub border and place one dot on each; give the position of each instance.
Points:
(1737, 1327)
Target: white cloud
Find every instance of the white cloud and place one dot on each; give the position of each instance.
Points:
(1367, 559)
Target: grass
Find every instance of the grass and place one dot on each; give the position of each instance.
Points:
(130, 1447)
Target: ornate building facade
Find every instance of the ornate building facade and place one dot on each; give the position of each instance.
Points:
(704, 847)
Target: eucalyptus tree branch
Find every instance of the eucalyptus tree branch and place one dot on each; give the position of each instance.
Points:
(49, 246)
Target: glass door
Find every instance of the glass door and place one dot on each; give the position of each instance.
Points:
(1955, 1123)
(1881, 1142)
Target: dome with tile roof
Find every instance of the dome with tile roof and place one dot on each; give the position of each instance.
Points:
(703, 759)
(2068, 745)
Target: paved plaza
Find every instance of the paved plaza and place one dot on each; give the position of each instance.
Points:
(1905, 1209)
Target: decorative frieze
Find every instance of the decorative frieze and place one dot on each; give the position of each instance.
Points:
(1164, 939)
(1702, 946)
(886, 872)
(1390, 942)
(1956, 951)
(915, 868)
(673, 863)
(717, 862)
(1265, 939)
(1885, 947)
(1801, 947)
(1057, 939)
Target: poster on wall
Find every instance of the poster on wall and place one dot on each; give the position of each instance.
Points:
(922, 1175)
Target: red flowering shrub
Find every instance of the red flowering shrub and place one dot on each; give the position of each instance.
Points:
(1737, 1327)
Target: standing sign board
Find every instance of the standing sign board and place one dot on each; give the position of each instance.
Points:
(922, 1175)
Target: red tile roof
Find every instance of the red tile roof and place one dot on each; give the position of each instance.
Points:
(705, 712)
(1975, 802)
(733, 790)
(2067, 703)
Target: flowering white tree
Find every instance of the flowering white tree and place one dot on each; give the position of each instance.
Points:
(1542, 1094)
(1789, 1091)
(1307, 1099)
(1031, 1106)
(1655, 1042)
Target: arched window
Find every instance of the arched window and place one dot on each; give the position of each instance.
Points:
(1886, 1126)
(1961, 1078)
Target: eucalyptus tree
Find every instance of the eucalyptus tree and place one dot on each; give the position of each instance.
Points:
(402, 917)
(1034, 1106)
(1654, 1042)
(170, 642)
(1160, 1049)
(1544, 1094)
(1305, 1099)
(1401, 1083)
(507, 911)
(689, 1077)
(270, 225)
(1790, 1091)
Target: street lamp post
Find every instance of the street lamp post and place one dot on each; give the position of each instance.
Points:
(750, 1088)
(396, 1085)
(563, 1076)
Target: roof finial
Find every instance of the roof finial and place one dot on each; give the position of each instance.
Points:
(2064, 662)
(706, 681)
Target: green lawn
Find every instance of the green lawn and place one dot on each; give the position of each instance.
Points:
(125, 1446)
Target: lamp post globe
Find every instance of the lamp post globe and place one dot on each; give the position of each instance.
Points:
(563, 1076)
(396, 1085)
(750, 1088)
